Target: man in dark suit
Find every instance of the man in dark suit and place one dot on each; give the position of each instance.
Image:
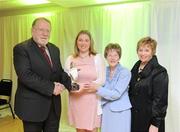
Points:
(41, 79)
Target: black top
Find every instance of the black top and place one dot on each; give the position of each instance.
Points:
(148, 93)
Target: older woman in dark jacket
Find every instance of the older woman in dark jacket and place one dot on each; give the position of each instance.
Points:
(148, 90)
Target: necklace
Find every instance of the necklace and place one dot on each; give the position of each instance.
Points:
(141, 67)
(84, 56)
(111, 73)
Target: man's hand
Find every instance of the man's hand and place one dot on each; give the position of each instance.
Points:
(58, 88)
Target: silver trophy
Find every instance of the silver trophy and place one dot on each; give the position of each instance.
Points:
(73, 72)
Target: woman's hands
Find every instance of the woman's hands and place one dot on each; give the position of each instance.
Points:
(86, 88)
(90, 87)
(153, 128)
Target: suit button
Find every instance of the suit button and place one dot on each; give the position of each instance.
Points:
(136, 85)
(138, 79)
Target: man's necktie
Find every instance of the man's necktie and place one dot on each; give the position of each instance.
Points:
(43, 51)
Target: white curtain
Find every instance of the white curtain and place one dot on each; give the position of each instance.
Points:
(165, 28)
(124, 24)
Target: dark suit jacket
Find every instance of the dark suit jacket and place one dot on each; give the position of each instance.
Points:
(36, 78)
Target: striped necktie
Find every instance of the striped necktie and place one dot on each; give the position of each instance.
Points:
(43, 51)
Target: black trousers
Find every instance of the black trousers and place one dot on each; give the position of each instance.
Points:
(51, 124)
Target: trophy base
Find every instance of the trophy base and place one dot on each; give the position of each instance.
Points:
(74, 86)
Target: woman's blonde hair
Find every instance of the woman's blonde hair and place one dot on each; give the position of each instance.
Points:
(147, 41)
(91, 48)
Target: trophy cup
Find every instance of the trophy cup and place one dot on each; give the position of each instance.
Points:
(73, 72)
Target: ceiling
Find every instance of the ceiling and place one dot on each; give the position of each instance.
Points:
(23, 4)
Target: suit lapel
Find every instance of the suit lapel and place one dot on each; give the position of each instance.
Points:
(36, 50)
